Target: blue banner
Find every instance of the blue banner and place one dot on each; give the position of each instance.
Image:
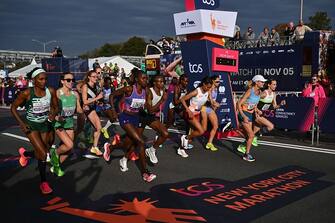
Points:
(326, 115)
(297, 114)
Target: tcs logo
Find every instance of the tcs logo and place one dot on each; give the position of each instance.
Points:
(209, 2)
(195, 68)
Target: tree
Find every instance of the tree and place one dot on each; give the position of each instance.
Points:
(134, 46)
(320, 21)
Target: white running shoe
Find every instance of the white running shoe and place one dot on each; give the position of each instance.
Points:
(182, 153)
(151, 153)
(184, 141)
(123, 164)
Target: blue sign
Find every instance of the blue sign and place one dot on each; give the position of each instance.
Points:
(197, 60)
(207, 4)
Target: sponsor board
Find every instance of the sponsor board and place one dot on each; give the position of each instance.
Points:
(220, 23)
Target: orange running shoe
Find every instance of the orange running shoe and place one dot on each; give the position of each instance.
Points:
(23, 159)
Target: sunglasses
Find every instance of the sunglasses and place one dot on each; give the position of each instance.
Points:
(68, 80)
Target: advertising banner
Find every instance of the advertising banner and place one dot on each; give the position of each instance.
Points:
(283, 64)
(297, 114)
(201, 4)
(220, 23)
(326, 114)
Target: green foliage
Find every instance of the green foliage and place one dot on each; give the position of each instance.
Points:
(134, 46)
(320, 21)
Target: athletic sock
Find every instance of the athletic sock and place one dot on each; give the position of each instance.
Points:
(108, 124)
(42, 167)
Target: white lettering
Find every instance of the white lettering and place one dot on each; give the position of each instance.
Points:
(209, 2)
(195, 68)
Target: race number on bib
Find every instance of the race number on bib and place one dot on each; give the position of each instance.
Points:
(137, 103)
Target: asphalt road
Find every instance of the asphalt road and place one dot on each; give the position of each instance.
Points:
(287, 183)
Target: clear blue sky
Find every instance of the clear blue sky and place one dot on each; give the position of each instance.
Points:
(83, 25)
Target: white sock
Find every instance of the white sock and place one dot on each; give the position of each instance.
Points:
(108, 124)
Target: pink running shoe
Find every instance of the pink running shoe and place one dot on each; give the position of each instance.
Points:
(23, 160)
(116, 139)
(107, 151)
(148, 177)
(45, 188)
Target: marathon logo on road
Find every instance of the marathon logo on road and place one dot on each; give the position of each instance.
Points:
(199, 200)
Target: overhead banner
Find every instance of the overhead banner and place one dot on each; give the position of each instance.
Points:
(201, 4)
(297, 114)
(220, 23)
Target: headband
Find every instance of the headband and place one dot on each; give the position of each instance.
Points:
(37, 72)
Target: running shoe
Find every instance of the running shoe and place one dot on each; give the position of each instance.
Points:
(184, 141)
(116, 139)
(182, 153)
(211, 147)
(104, 131)
(133, 156)
(107, 151)
(45, 188)
(123, 164)
(23, 159)
(151, 153)
(242, 148)
(255, 141)
(54, 157)
(95, 150)
(148, 177)
(248, 157)
(57, 170)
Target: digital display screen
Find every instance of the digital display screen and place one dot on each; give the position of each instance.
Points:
(225, 61)
(151, 64)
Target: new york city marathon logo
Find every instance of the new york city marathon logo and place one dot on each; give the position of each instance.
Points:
(197, 200)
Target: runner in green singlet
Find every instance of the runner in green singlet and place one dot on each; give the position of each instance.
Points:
(41, 106)
(69, 103)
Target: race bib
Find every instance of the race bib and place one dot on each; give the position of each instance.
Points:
(40, 107)
(68, 111)
(251, 106)
(137, 103)
(266, 107)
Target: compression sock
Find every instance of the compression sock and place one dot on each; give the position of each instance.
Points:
(42, 167)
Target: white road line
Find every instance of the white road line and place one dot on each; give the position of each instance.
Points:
(15, 136)
(289, 146)
(261, 142)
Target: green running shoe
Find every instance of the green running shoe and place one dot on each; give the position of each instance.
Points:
(242, 148)
(211, 147)
(255, 141)
(57, 170)
(54, 158)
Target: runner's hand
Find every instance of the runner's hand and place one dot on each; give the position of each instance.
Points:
(190, 114)
(245, 119)
(100, 96)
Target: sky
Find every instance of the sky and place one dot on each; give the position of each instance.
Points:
(82, 25)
